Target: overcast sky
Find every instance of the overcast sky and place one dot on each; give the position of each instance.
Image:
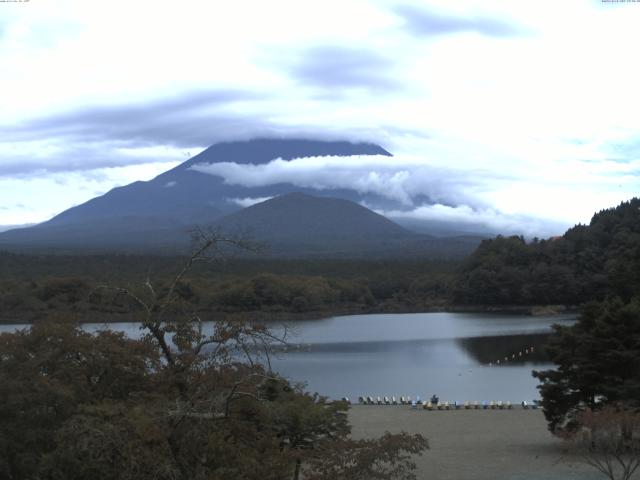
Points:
(521, 112)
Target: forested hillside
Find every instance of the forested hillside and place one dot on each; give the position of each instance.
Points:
(34, 287)
(587, 263)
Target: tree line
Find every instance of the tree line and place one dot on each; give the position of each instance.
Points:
(588, 262)
(293, 289)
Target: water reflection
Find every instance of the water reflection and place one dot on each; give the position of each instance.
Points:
(507, 349)
(496, 350)
(453, 355)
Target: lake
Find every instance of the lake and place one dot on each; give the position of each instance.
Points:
(454, 355)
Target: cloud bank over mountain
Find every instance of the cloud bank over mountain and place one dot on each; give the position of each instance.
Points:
(425, 193)
(403, 179)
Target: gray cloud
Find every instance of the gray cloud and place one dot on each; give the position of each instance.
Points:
(335, 67)
(180, 121)
(16, 206)
(99, 136)
(105, 136)
(629, 150)
(422, 21)
(480, 219)
(71, 158)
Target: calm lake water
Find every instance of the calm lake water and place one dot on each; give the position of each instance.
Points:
(453, 355)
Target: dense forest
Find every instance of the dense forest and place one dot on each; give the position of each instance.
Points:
(34, 287)
(589, 262)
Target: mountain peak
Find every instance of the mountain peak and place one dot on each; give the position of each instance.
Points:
(157, 214)
(263, 150)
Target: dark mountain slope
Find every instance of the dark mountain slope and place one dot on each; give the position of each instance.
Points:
(292, 225)
(299, 221)
(297, 224)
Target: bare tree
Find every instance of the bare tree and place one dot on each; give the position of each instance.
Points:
(609, 440)
(187, 345)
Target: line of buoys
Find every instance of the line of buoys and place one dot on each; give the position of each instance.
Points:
(513, 356)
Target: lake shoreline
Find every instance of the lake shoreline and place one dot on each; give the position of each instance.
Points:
(289, 316)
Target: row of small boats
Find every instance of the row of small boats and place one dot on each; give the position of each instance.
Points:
(430, 405)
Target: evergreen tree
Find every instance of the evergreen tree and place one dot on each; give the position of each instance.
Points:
(598, 363)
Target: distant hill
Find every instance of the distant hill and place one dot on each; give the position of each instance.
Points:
(587, 263)
(299, 223)
(300, 215)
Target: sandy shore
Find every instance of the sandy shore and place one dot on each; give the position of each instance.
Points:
(476, 444)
